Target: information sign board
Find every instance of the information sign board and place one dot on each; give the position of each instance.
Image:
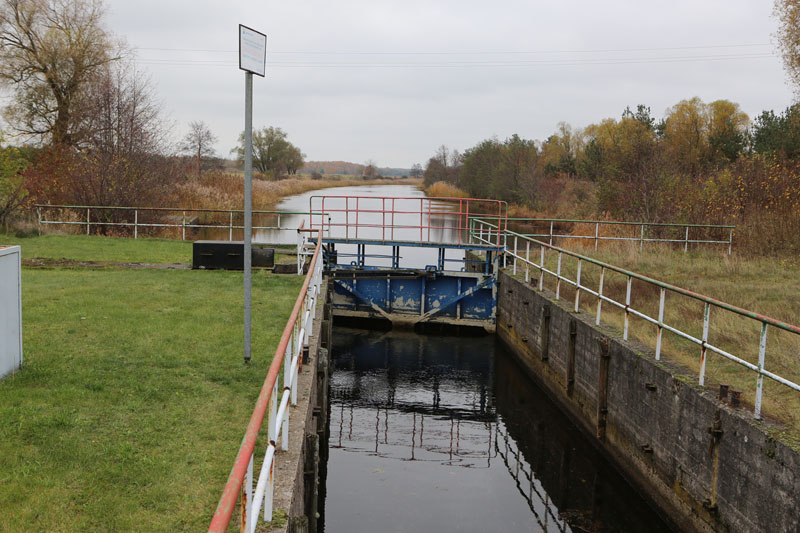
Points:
(252, 51)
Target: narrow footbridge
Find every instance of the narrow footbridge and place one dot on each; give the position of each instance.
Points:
(405, 260)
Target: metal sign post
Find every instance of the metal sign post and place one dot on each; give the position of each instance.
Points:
(253, 60)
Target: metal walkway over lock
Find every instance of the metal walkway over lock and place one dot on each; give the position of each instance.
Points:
(404, 259)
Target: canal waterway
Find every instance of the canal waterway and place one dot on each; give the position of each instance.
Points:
(447, 433)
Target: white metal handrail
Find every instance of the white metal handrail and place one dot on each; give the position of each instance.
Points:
(516, 254)
(278, 423)
(86, 212)
(641, 238)
(294, 341)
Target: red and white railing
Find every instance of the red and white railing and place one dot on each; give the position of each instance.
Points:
(289, 353)
(408, 219)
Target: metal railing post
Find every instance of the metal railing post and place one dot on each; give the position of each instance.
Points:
(515, 255)
(136, 224)
(272, 426)
(551, 233)
(270, 490)
(460, 202)
(87, 222)
(641, 239)
(299, 253)
(230, 227)
(288, 370)
(183, 227)
(627, 308)
(527, 261)
(558, 277)
(661, 301)
(703, 347)
(247, 499)
(762, 353)
(578, 287)
(541, 268)
(596, 235)
(686, 241)
(600, 294)
(422, 219)
(730, 242)
(347, 218)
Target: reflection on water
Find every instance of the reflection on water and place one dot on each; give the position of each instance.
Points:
(434, 433)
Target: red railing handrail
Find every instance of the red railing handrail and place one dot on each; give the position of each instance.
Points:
(461, 209)
(230, 494)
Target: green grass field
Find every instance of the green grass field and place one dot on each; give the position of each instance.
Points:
(97, 248)
(133, 397)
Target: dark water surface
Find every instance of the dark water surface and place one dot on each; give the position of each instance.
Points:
(446, 433)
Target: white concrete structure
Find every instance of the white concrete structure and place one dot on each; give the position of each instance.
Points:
(10, 309)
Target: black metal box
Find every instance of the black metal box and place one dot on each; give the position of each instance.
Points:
(229, 255)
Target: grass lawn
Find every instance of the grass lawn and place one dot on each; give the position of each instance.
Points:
(97, 248)
(116, 249)
(133, 397)
(764, 285)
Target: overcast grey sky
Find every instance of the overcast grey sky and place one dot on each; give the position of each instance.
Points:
(391, 80)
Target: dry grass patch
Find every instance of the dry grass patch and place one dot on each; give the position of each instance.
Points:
(764, 286)
(442, 189)
(225, 190)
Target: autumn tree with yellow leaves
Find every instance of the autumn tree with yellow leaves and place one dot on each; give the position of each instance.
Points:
(788, 36)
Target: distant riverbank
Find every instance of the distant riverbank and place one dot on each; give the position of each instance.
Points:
(225, 190)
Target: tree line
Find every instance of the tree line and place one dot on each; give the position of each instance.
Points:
(700, 163)
(88, 124)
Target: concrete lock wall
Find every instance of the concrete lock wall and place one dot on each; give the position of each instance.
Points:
(707, 466)
(10, 310)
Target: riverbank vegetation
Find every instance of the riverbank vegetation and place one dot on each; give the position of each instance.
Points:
(702, 163)
(132, 399)
(224, 190)
(443, 189)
